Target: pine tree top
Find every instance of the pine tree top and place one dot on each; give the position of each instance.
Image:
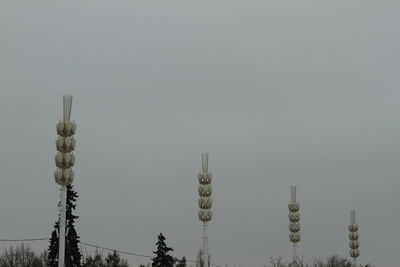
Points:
(162, 259)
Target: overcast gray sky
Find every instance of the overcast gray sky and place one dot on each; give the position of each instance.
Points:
(279, 93)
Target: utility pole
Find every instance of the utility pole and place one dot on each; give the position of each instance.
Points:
(205, 203)
(353, 236)
(64, 175)
(294, 218)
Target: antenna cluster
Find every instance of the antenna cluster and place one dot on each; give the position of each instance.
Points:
(294, 218)
(205, 203)
(353, 236)
(64, 175)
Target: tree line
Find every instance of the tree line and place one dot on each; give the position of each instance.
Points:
(23, 256)
(332, 261)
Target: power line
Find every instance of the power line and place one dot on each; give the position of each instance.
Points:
(119, 251)
(22, 240)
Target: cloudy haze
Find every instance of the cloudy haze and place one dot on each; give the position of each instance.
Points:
(279, 93)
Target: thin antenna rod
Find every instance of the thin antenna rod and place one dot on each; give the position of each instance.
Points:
(67, 106)
(204, 162)
(353, 216)
(293, 193)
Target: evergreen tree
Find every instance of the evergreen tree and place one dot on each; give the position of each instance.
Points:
(114, 260)
(182, 262)
(52, 259)
(162, 259)
(72, 253)
(94, 261)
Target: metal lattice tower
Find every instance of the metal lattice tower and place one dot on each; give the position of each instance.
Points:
(64, 175)
(205, 203)
(294, 218)
(353, 236)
